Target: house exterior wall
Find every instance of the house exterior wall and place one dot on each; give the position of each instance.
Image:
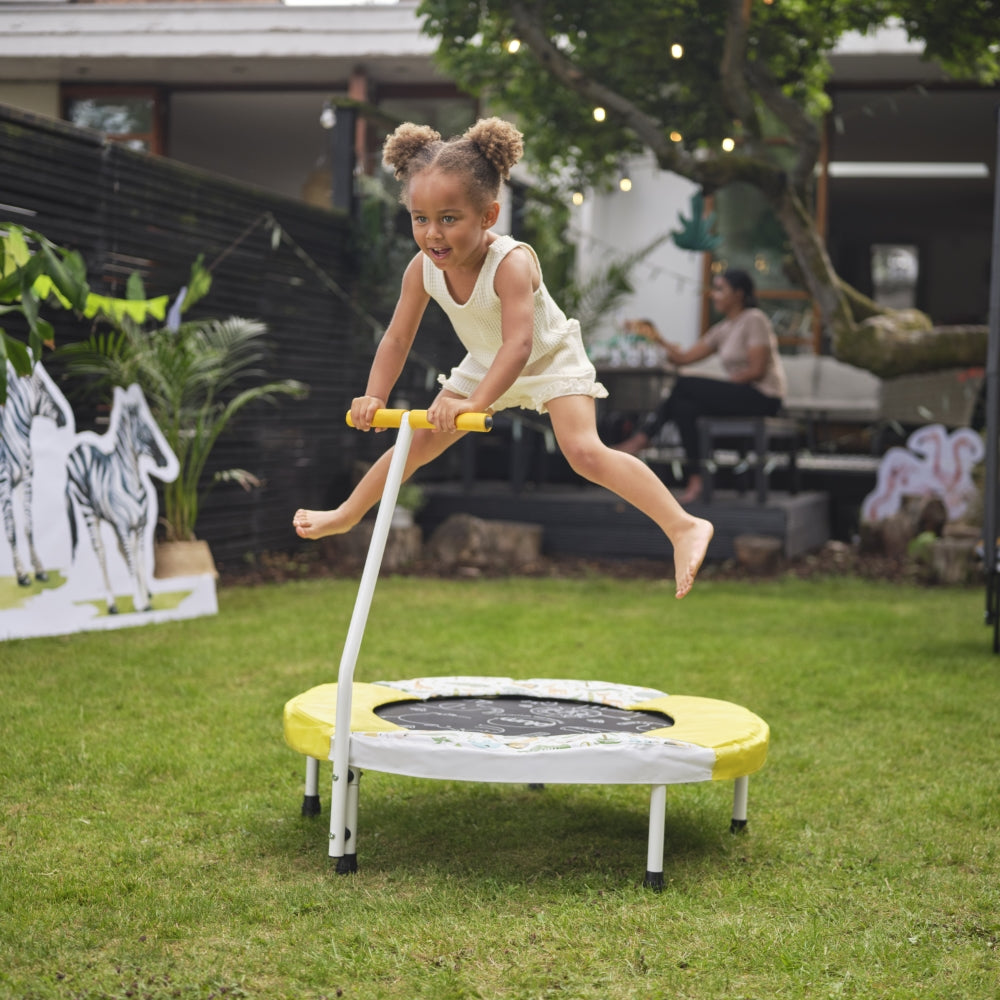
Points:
(245, 83)
(668, 281)
(40, 98)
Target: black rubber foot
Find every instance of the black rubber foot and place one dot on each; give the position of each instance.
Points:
(737, 825)
(311, 806)
(347, 864)
(654, 881)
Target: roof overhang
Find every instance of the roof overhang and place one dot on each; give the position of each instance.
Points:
(214, 44)
(295, 44)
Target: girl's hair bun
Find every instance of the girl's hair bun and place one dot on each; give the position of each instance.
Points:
(406, 143)
(498, 141)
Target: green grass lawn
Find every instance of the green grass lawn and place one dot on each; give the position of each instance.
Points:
(151, 844)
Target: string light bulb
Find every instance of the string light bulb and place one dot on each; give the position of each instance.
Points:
(600, 114)
(677, 50)
(625, 184)
(728, 144)
(675, 136)
(513, 45)
(577, 198)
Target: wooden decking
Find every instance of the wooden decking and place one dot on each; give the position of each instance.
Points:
(586, 521)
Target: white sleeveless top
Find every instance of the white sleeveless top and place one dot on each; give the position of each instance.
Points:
(558, 364)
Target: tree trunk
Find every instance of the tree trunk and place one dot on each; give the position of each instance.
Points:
(886, 342)
(821, 280)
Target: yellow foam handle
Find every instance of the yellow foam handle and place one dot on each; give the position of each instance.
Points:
(418, 418)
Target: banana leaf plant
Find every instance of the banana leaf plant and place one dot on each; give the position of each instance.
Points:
(34, 273)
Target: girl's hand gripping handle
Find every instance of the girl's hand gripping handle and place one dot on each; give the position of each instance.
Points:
(418, 419)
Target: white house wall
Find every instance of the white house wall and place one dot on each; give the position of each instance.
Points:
(611, 226)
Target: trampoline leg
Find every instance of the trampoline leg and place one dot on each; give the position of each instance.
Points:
(310, 801)
(347, 863)
(740, 789)
(654, 852)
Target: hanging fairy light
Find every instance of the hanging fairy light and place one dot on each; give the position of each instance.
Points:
(600, 114)
(728, 144)
(513, 45)
(577, 198)
(624, 178)
(677, 50)
(675, 136)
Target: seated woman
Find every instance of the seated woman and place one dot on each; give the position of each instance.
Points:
(755, 379)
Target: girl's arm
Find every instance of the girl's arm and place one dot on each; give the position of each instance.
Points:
(515, 286)
(394, 347)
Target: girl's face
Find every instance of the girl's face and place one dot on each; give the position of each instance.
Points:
(447, 226)
(725, 298)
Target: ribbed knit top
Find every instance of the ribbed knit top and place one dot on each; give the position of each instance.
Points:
(558, 364)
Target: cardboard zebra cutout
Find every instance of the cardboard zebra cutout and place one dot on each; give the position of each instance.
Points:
(83, 506)
(29, 397)
(107, 483)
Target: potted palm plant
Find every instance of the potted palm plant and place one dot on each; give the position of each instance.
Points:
(196, 376)
(409, 502)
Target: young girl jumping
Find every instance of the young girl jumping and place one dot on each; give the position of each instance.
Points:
(522, 350)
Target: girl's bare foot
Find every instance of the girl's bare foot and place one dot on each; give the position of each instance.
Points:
(690, 546)
(320, 523)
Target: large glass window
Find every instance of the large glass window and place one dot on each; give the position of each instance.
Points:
(753, 240)
(130, 117)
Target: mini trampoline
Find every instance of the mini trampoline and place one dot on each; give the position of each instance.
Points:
(499, 729)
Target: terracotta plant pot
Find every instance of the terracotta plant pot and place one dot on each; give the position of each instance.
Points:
(183, 559)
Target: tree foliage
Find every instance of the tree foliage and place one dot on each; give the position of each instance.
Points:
(751, 71)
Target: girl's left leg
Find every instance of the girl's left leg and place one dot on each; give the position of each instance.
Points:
(574, 422)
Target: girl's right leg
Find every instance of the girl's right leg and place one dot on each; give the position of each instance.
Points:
(575, 427)
(425, 447)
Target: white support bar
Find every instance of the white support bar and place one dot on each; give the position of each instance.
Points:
(312, 776)
(352, 645)
(740, 792)
(657, 825)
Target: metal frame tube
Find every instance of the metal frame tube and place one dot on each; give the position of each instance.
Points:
(355, 633)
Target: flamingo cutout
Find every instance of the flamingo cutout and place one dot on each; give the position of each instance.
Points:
(934, 463)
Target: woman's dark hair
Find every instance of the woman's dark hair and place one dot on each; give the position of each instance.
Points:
(740, 281)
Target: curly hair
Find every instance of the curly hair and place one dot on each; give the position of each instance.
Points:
(485, 155)
(740, 281)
